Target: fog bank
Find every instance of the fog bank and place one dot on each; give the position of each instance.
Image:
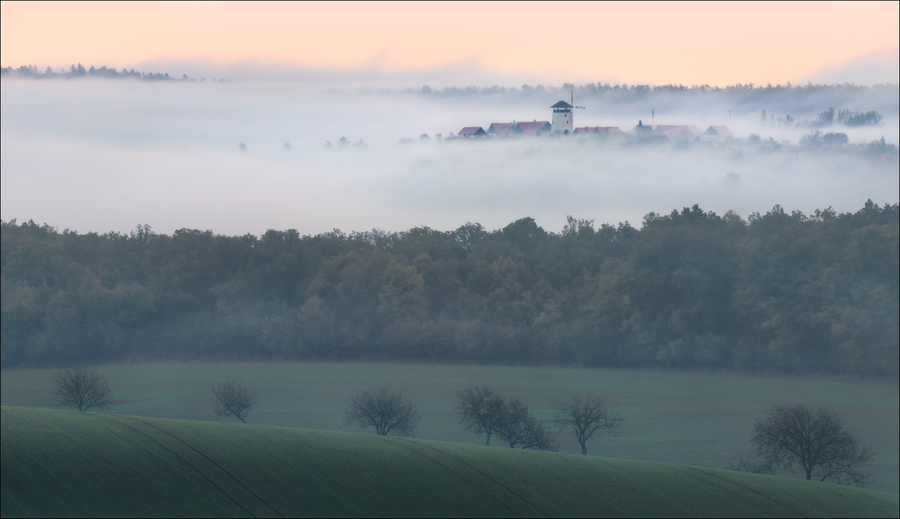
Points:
(100, 156)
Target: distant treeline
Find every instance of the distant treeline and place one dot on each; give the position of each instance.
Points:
(646, 90)
(802, 98)
(743, 98)
(779, 292)
(78, 71)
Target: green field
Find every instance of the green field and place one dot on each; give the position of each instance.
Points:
(686, 418)
(64, 463)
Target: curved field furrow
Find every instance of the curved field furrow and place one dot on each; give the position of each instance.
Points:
(416, 448)
(203, 474)
(61, 463)
(192, 448)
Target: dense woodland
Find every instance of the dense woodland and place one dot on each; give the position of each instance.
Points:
(779, 292)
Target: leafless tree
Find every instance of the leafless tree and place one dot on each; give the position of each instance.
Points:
(233, 398)
(510, 425)
(82, 388)
(586, 415)
(538, 435)
(518, 427)
(479, 410)
(385, 411)
(816, 440)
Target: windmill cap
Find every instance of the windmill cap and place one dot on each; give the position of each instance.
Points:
(561, 104)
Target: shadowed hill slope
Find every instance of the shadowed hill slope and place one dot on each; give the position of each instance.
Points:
(65, 463)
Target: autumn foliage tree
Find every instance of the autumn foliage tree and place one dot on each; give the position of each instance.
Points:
(780, 291)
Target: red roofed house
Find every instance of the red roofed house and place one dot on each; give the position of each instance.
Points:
(536, 128)
(501, 128)
(673, 130)
(596, 130)
(471, 132)
(718, 131)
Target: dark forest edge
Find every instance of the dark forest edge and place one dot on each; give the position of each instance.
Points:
(776, 293)
(78, 71)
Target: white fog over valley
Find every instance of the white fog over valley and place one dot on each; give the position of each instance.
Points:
(98, 156)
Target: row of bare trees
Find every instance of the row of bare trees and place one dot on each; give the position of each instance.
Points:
(816, 440)
(84, 389)
(482, 411)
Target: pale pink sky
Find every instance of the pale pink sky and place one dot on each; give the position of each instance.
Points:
(690, 43)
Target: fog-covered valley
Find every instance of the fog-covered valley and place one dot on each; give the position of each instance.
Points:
(97, 155)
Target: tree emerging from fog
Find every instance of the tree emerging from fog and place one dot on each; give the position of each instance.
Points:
(82, 388)
(387, 412)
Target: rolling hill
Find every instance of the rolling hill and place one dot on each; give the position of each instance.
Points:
(60, 463)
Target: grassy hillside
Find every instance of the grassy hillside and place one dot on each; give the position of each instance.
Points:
(701, 419)
(66, 463)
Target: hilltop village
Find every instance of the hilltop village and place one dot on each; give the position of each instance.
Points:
(563, 124)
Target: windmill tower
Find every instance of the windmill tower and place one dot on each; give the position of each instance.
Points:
(563, 121)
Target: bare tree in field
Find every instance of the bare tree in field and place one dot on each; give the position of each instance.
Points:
(233, 398)
(387, 412)
(816, 440)
(479, 410)
(518, 427)
(586, 415)
(82, 388)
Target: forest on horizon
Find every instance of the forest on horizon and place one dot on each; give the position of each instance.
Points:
(744, 93)
(780, 292)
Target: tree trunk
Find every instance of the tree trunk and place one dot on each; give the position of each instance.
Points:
(488, 440)
(583, 449)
